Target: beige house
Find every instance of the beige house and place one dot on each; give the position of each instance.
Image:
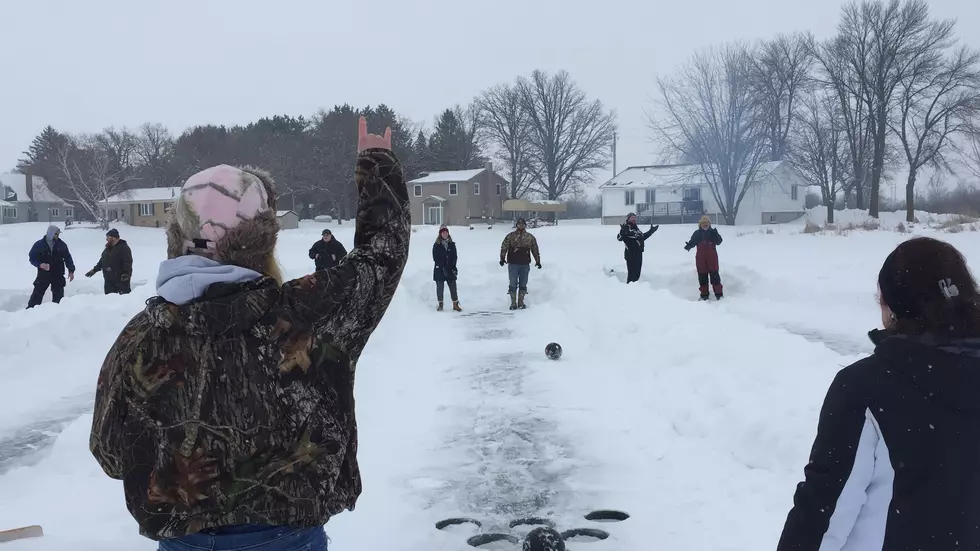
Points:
(458, 197)
(147, 207)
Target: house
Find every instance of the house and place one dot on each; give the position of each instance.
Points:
(147, 207)
(288, 220)
(679, 194)
(26, 198)
(458, 197)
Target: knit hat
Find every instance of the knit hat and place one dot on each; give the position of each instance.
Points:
(227, 214)
(112, 233)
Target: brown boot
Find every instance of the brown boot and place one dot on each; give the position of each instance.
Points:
(520, 300)
(456, 306)
(439, 308)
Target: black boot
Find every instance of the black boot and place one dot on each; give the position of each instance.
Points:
(513, 300)
(520, 300)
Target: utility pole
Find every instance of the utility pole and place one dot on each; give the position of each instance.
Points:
(614, 153)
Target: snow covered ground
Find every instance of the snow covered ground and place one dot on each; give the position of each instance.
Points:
(694, 418)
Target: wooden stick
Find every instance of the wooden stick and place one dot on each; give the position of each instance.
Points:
(33, 531)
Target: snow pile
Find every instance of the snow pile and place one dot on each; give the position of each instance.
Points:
(694, 418)
(818, 215)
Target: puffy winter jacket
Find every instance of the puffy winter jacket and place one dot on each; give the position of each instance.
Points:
(116, 263)
(238, 407)
(518, 247)
(57, 259)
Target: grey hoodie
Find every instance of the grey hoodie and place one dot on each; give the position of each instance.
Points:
(185, 278)
(49, 236)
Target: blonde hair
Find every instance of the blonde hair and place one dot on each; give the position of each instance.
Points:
(273, 269)
(704, 219)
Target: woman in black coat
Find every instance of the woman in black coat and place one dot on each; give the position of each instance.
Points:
(444, 272)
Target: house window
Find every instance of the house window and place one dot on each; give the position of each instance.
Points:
(651, 196)
(476, 188)
(69, 213)
(55, 213)
(453, 189)
(692, 194)
(146, 209)
(630, 199)
(793, 193)
(10, 212)
(417, 190)
(498, 189)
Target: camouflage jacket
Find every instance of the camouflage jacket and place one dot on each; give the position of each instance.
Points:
(518, 247)
(238, 408)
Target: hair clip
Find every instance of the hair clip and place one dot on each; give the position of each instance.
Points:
(948, 289)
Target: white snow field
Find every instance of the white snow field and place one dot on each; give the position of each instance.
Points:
(694, 418)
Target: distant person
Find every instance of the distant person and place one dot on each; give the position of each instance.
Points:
(516, 250)
(116, 265)
(226, 407)
(633, 238)
(50, 255)
(706, 239)
(444, 272)
(895, 461)
(327, 251)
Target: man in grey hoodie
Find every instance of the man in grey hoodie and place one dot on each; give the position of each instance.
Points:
(50, 255)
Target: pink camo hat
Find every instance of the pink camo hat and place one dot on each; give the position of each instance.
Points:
(214, 202)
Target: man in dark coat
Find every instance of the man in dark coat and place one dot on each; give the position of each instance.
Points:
(50, 255)
(631, 236)
(116, 264)
(706, 239)
(327, 252)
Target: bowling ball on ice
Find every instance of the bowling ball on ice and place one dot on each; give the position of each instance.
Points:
(553, 351)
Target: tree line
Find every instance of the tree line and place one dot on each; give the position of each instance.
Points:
(894, 86)
(545, 134)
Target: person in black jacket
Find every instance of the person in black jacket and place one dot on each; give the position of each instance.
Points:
(896, 462)
(116, 265)
(327, 252)
(633, 238)
(444, 272)
(706, 239)
(50, 255)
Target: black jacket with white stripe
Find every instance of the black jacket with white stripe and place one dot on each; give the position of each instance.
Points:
(896, 461)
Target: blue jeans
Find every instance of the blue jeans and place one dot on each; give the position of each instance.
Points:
(251, 537)
(518, 276)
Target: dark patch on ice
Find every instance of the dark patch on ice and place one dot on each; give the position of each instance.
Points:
(607, 515)
(26, 445)
(584, 535)
(487, 541)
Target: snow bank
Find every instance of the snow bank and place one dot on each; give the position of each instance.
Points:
(818, 215)
(694, 418)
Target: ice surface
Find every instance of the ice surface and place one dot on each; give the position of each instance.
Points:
(694, 418)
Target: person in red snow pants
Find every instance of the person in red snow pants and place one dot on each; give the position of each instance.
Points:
(706, 239)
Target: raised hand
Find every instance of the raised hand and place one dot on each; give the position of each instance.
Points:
(370, 141)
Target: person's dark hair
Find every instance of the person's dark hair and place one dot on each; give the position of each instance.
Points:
(930, 290)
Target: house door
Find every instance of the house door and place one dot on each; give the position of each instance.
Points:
(435, 215)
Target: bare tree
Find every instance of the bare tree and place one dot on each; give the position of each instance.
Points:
(935, 102)
(569, 135)
(91, 168)
(780, 71)
(505, 125)
(971, 152)
(883, 44)
(820, 149)
(712, 119)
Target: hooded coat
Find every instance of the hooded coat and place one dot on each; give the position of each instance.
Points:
(444, 259)
(54, 253)
(894, 465)
(229, 399)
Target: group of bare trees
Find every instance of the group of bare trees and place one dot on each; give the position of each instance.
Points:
(893, 87)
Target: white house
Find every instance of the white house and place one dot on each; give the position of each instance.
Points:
(679, 194)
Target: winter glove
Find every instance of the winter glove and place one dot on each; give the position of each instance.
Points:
(502, 262)
(655, 228)
(90, 273)
(538, 265)
(455, 272)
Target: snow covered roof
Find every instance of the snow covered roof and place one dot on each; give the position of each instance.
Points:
(281, 213)
(448, 176)
(436, 198)
(636, 177)
(6, 204)
(16, 184)
(146, 195)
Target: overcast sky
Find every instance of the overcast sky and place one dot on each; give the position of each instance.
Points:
(84, 65)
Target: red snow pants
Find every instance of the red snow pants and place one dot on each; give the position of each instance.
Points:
(706, 260)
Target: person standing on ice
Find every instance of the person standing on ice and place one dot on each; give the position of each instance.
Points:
(226, 406)
(516, 250)
(633, 238)
(116, 264)
(706, 239)
(444, 272)
(894, 462)
(327, 251)
(50, 255)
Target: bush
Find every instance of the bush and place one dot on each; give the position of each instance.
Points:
(810, 227)
(900, 228)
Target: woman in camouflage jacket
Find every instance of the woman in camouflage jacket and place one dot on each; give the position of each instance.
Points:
(226, 407)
